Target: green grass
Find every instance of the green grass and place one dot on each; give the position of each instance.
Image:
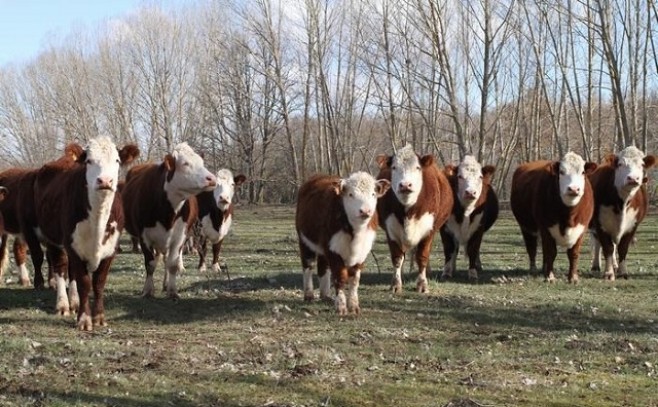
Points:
(513, 341)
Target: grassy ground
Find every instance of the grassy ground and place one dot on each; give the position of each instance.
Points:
(509, 340)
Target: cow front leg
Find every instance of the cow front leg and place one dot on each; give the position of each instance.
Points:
(596, 253)
(422, 260)
(450, 253)
(59, 263)
(99, 279)
(608, 249)
(473, 253)
(573, 254)
(397, 258)
(339, 275)
(78, 273)
(354, 277)
(216, 247)
(622, 252)
(20, 256)
(150, 263)
(202, 250)
(549, 249)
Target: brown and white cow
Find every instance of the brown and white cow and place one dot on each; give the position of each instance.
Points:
(159, 213)
(418, 203)
(475, 210)
(80, 218)
(621, 203)
(19, 213)
(216, 216)
(554, 200)
(336, 222)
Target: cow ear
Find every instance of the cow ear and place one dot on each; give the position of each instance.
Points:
(611, 159)
(554, 167)
(384, 161)
(239, 179)
(381, 186)
(3, 193)
(450, 170)
(74, 151)
(169, 162)
(337, 186)
(649, 161)
(488, 172)
(82, 157)
(590, 167)
(427, 160)
(128, 154)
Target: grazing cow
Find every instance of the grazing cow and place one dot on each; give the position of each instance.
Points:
(336, 222)
(474, 212)
(80, 218)
(19, 213)
(621, 203)
(159, 212)
(418, 203)
(216, 215)
(553, 199)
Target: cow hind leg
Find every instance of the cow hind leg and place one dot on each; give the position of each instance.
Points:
(596, 253)
(20, 255)
(308, 258)
(150, 263)
(473, 254)
(4, 259)
(530, 240)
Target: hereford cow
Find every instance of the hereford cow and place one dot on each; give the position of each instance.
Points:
(553, 200)
(621, 203)
(474, 212)
(159, 213)
(336, 224)
(418, 203)
(215, 216)
(19, 214)
(80, 218)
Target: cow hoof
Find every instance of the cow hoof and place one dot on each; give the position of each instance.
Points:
(421, 287)
(25, 282)
(341, 311)
(308, 297)
(326, 298)
(99, 320)
(624, 276)
(174, 296)
(574, 280)
(550, 278)
(609, 276)
(63, 312)
(202, 269)
(355, 309)
(216, 268)
(445, 277)
(84, 323)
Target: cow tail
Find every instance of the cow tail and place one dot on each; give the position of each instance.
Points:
(4, 254)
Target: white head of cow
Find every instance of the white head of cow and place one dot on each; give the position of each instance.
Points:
(630, 166)
(471, 176)
(225, 188)
(102, 161)
(360, 192)
(407, 174)
(572, 177)
(187, 175)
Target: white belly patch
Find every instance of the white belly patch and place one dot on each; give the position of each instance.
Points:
(617, 224)
(413, 230)
(462, 232)
(353, 249)
(92, 244)
(213, 234)
(160, 239)
(570, 236)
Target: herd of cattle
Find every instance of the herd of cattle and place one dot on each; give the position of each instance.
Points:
(76, 208)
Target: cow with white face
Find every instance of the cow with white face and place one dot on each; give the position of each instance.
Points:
(336, 222)
(553, 199)
(160, 213)
(474, 212)
(621, 203)
(412, 211)
(80, 219)
(215, 216)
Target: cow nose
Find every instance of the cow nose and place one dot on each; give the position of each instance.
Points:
(469, 194)
(365, 212)
(631, 180)
(573, 190)
(104, 182)
(405, 186)
(211, 180)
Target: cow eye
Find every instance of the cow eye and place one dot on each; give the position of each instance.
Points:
(394, 167)
(418, 168)
(351, 195)
(88, 161)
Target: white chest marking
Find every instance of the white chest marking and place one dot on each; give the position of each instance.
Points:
(213, 234)
(570, 237)
(164, 240)
(463, 231)
(617, 224)
(89, 239)
(353, 249)
(413, 230)
(311, 245)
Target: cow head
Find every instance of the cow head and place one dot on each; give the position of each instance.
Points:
(225, 188)
(186, 174)
(102, 161)
(406, 173)
(359, 193)
(630, 170)
(572, 172)
(471, 176)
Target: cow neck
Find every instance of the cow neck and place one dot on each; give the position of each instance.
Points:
(98, 207)
(343, 220)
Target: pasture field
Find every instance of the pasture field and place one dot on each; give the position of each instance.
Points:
(509, 340)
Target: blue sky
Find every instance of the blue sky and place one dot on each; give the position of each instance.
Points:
(26, 25)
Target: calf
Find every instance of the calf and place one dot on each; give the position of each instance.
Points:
(20, 218)
(216, 215)
(79, 218)
(418, 203)
(159, 213)
(474, 212)
(553, 200)
(621, 203)
(336, 224)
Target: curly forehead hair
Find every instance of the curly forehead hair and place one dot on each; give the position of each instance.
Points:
(406, 154)
(360, 182)
(470, 164)
(101, 145)
(631, 153)
(572, 161)
(225, 174)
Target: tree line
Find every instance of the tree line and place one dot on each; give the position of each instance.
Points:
(281, 89)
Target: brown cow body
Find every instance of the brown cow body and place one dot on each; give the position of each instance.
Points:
(538, 204)
(20, 217)
(474, 212)
(418, 203)
(160, 208)
(621, 203)
(80, 218)
(336, 224)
